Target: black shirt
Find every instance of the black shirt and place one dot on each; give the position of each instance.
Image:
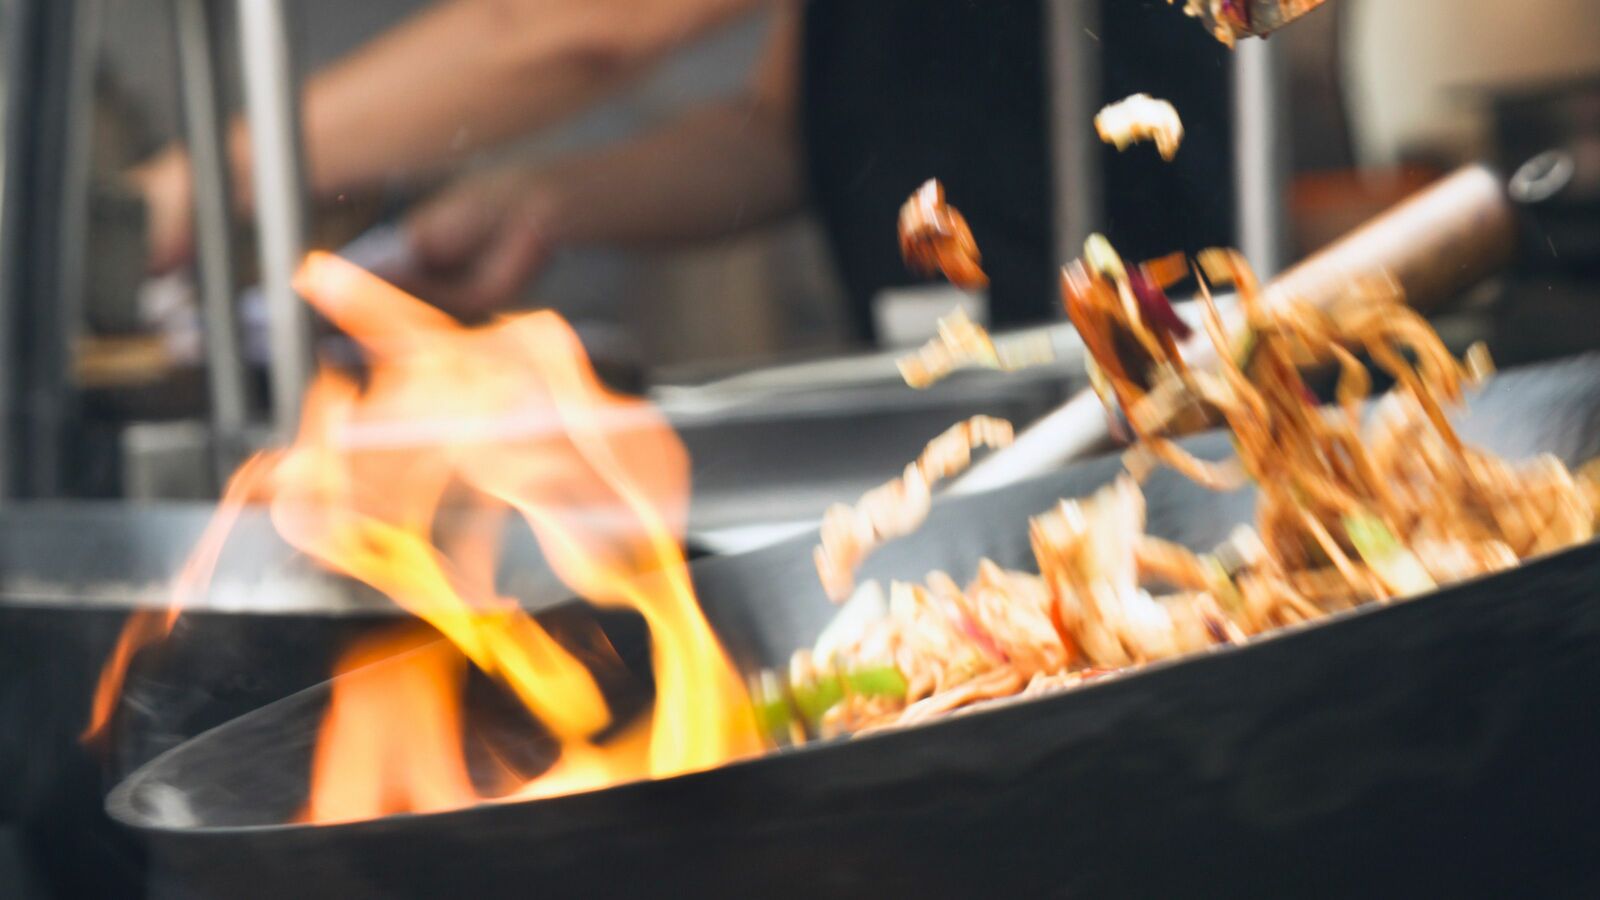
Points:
(894, 92)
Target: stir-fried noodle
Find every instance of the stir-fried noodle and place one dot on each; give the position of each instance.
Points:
(1349, 510)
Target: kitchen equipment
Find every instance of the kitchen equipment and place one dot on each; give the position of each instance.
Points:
(1438, 746)
(71, 573)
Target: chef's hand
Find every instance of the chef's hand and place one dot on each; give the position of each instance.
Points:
(480, 241)
(165, 182)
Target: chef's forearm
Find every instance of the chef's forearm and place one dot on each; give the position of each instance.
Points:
(713, 172)
(467, 74)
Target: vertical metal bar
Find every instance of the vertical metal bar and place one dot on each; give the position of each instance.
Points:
(1072, 52)
(1261, 155)
(205, 131)
(57, 407)
(272, 109)
(19, 64)
(50, 124)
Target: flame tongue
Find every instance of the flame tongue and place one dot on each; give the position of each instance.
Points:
(370, 515)
(391, 738)
(151, 625)
(600, 478)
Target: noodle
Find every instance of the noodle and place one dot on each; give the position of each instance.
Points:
(963, 343)
(935, 237)
(1141, 117)
(1347, 512)
(895, 509)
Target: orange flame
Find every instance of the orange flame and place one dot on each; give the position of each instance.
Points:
(507, 417)
(601, 478)
(392, 734)
(146, 626)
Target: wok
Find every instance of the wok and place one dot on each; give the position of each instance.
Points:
(272, 623)
(1440, 746)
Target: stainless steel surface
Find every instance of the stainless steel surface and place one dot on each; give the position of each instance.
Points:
(168, 461)
(787, 461)
(762, 457)
(767, 462)
(272, 109)
(1074, 71)
(767, 457)
(123, 556)
(1261, 154)
(205, 126)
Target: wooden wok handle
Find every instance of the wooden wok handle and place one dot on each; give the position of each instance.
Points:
(1439, 242)
(1442, 240)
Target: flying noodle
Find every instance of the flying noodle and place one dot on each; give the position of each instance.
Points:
(1351, 509)
(935, 237)
(963, 343)
(895, 509)
(1141, 117)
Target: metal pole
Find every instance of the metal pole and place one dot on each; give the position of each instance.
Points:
(205, 130)
(1261, 155)
(18, 57)
(272, 109)
(50, 49)
(1072, 52)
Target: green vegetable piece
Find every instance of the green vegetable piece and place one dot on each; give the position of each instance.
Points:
(814, 698)
(1103, 258)
(774, 716)
(1398, 567)
(1228, 591)
(877, 681)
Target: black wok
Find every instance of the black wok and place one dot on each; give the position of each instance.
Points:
(1442, 746)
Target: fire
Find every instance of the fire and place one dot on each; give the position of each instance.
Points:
(600, 478)
(146, 627)
(585, 767)
(391, 738)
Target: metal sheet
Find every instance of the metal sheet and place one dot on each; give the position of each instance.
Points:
(1439, 746)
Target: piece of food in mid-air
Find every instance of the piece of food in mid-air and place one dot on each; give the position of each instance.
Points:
(1141, 118)
(1230, 20)
(935, 237)
(1354, 506)
(964, 344)
(895, 509)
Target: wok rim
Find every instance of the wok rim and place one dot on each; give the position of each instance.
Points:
(120, 807)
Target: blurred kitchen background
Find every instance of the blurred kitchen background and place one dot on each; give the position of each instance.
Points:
(109, 385)
(104, 376)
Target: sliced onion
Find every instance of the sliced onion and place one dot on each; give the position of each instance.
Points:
(1155, 307)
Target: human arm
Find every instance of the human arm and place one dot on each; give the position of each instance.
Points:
(717, 170)
(456, 77)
